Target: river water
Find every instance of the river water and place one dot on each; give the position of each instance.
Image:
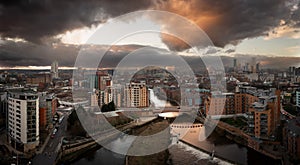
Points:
(182, 153)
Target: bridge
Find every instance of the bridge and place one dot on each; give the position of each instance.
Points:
(174, 109)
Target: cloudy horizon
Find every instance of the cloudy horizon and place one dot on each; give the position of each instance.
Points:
(37, 32)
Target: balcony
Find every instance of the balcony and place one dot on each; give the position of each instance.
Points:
(264, 117)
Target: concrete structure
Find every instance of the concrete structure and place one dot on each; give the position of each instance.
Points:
(233, 103)
(248, 100)
(23, 120)
(47, 106)
(244, 97)
(54, 69)
(118, 95)
(264, 117)
(136, 95)
(108, 95)
(94, 98)
(220, 104)
(42, 118)
(102, 80)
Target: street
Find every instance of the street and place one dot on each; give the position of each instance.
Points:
(48, 156)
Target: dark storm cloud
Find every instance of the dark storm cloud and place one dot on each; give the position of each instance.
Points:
(36, 20)
(26, 54)
(225, 21)
(30, 54)
(230, 21)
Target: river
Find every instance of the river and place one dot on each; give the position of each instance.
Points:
(183, 153)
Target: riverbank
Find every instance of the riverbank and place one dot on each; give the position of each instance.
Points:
(140, 146)
(208, 152)
(240, 137)
(182, 153)
(70, 152)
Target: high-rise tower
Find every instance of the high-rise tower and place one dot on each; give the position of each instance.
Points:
(54, 69)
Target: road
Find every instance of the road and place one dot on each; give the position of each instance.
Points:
(48, 156)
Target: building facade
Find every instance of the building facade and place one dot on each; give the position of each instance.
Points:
(220, 104)
(54, 70)
(298, 98)
(136, 95)
(23, 120)
(36, 79)
(264, 117)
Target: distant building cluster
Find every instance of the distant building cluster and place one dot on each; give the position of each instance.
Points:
(133, 94)
(261, 106)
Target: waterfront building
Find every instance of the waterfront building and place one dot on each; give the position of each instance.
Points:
(239, 102)
(136, 95)
(220, 104)
(264, 117)
(23, 120)
(244, 97)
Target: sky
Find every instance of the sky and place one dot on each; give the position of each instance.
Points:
(37, 32)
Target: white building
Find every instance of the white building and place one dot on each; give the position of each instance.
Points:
(23, 120)
(54, 69)
(94, 98)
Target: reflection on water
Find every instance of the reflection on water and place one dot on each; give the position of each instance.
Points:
(122, 144)
(184, 154)
(223, 148)
(105, 156)
(101, 157)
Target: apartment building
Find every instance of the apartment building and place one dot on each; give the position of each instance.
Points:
(136, 95)
(264, 117)
(220, 104)
(23, 120)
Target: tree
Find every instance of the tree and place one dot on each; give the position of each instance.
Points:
(74, 124)
(108, 107)
(111, 106)
(104, 108)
